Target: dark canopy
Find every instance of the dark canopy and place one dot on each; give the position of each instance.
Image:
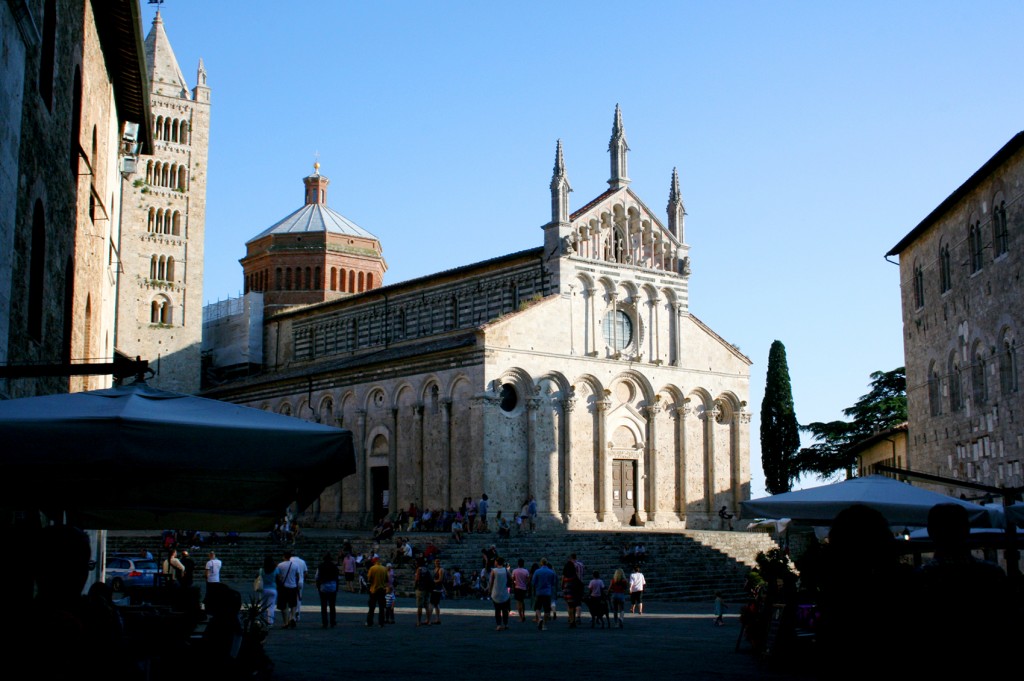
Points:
(139, 458)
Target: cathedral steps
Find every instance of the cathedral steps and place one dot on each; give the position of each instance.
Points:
(680, 566)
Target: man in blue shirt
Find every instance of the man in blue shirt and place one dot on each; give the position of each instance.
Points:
(481, 509)
(544, 580)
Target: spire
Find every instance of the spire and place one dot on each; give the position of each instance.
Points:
(165, 78)
(559, 188)
(676, 210)
(619, 150)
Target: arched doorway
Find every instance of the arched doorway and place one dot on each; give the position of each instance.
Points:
(380, 499)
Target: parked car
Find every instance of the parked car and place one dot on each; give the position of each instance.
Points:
(129, 571)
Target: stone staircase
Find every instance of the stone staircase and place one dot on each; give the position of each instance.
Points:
(680, 566)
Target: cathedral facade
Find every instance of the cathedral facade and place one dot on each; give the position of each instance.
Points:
(160, 292)
(573, 372)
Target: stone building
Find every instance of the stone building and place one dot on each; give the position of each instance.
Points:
(573, 372)
(71, 79)
(161, 289)
(962, 314)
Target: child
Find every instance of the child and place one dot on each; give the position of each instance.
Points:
(389, 605)
(719, 608)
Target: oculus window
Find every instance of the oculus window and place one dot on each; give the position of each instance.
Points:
(618, 330)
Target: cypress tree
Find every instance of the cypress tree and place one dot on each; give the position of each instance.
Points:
(780, 435)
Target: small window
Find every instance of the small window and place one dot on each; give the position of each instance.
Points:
(975, 246)
(945, 271)
(918, 286)
(508, 398)
(1000, 234)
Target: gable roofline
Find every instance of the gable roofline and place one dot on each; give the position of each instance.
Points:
(732, 348)
(1000, 157)
(608, 193)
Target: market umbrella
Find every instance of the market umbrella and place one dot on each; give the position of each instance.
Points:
(898, 502)
(135, 457)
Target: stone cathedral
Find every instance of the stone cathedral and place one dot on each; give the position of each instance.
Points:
(573, 371)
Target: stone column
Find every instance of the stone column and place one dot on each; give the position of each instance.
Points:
(361, 468)
(742, 435)
(532, 403)
(604, 481)
(417, 456)
(651, 464)
(677, 343)
(710, 416)
(446, 415)
(393, 463)
(589, 295)
(681, 414)
(568, 406)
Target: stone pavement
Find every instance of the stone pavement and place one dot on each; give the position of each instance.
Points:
(673, 640)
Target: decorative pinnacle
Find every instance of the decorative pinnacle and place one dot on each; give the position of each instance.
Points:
(618, 130)
(559, 160)
(673, 192)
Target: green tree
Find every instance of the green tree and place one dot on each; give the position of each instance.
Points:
(780, 434)
(881, 409)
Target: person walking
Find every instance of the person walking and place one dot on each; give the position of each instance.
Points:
(497, 586)
(618, 589)
(544, 580)
(302, 568)
(437, 593)
(636, 590)
(520, 586)
(327, 586)
(268, 579)
(287, 590)
(377, 578)
(424, 583)
(348, 566)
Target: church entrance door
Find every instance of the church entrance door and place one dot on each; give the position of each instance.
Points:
(624, 489)
(381, 494)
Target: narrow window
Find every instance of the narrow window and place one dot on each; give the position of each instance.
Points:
(76, 120)
(975, 245)
(1000, 235)
(47, 53)
(945, 271)
(36, 278)
(918, 286)
(1008, 367)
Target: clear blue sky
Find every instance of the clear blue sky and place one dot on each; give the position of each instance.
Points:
(809, 137)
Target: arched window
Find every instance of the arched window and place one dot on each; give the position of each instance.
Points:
(334, 278)
(317, 286)
(278, 283)
(167, 128)
(152, 267)
(309, 279)
(979, 375)
(161, 268)
(956, 396)
(48, 52)
(174, 131)
(342, 280)
(1000, 233)
(183, 132)
(351, 281)
(164, 171)
(76, 120)
(149, 172)
(154, 312)
(934, 390)
(618, 245)
(170, 269)
(918, 286)
(945, 270)
(151, 221)
(158, 127)
(176, 229)
(974, 245)
(288, 278)
(360, 289)
(369, 280)
(1008, 382)
(36, 272)
(182, 178)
